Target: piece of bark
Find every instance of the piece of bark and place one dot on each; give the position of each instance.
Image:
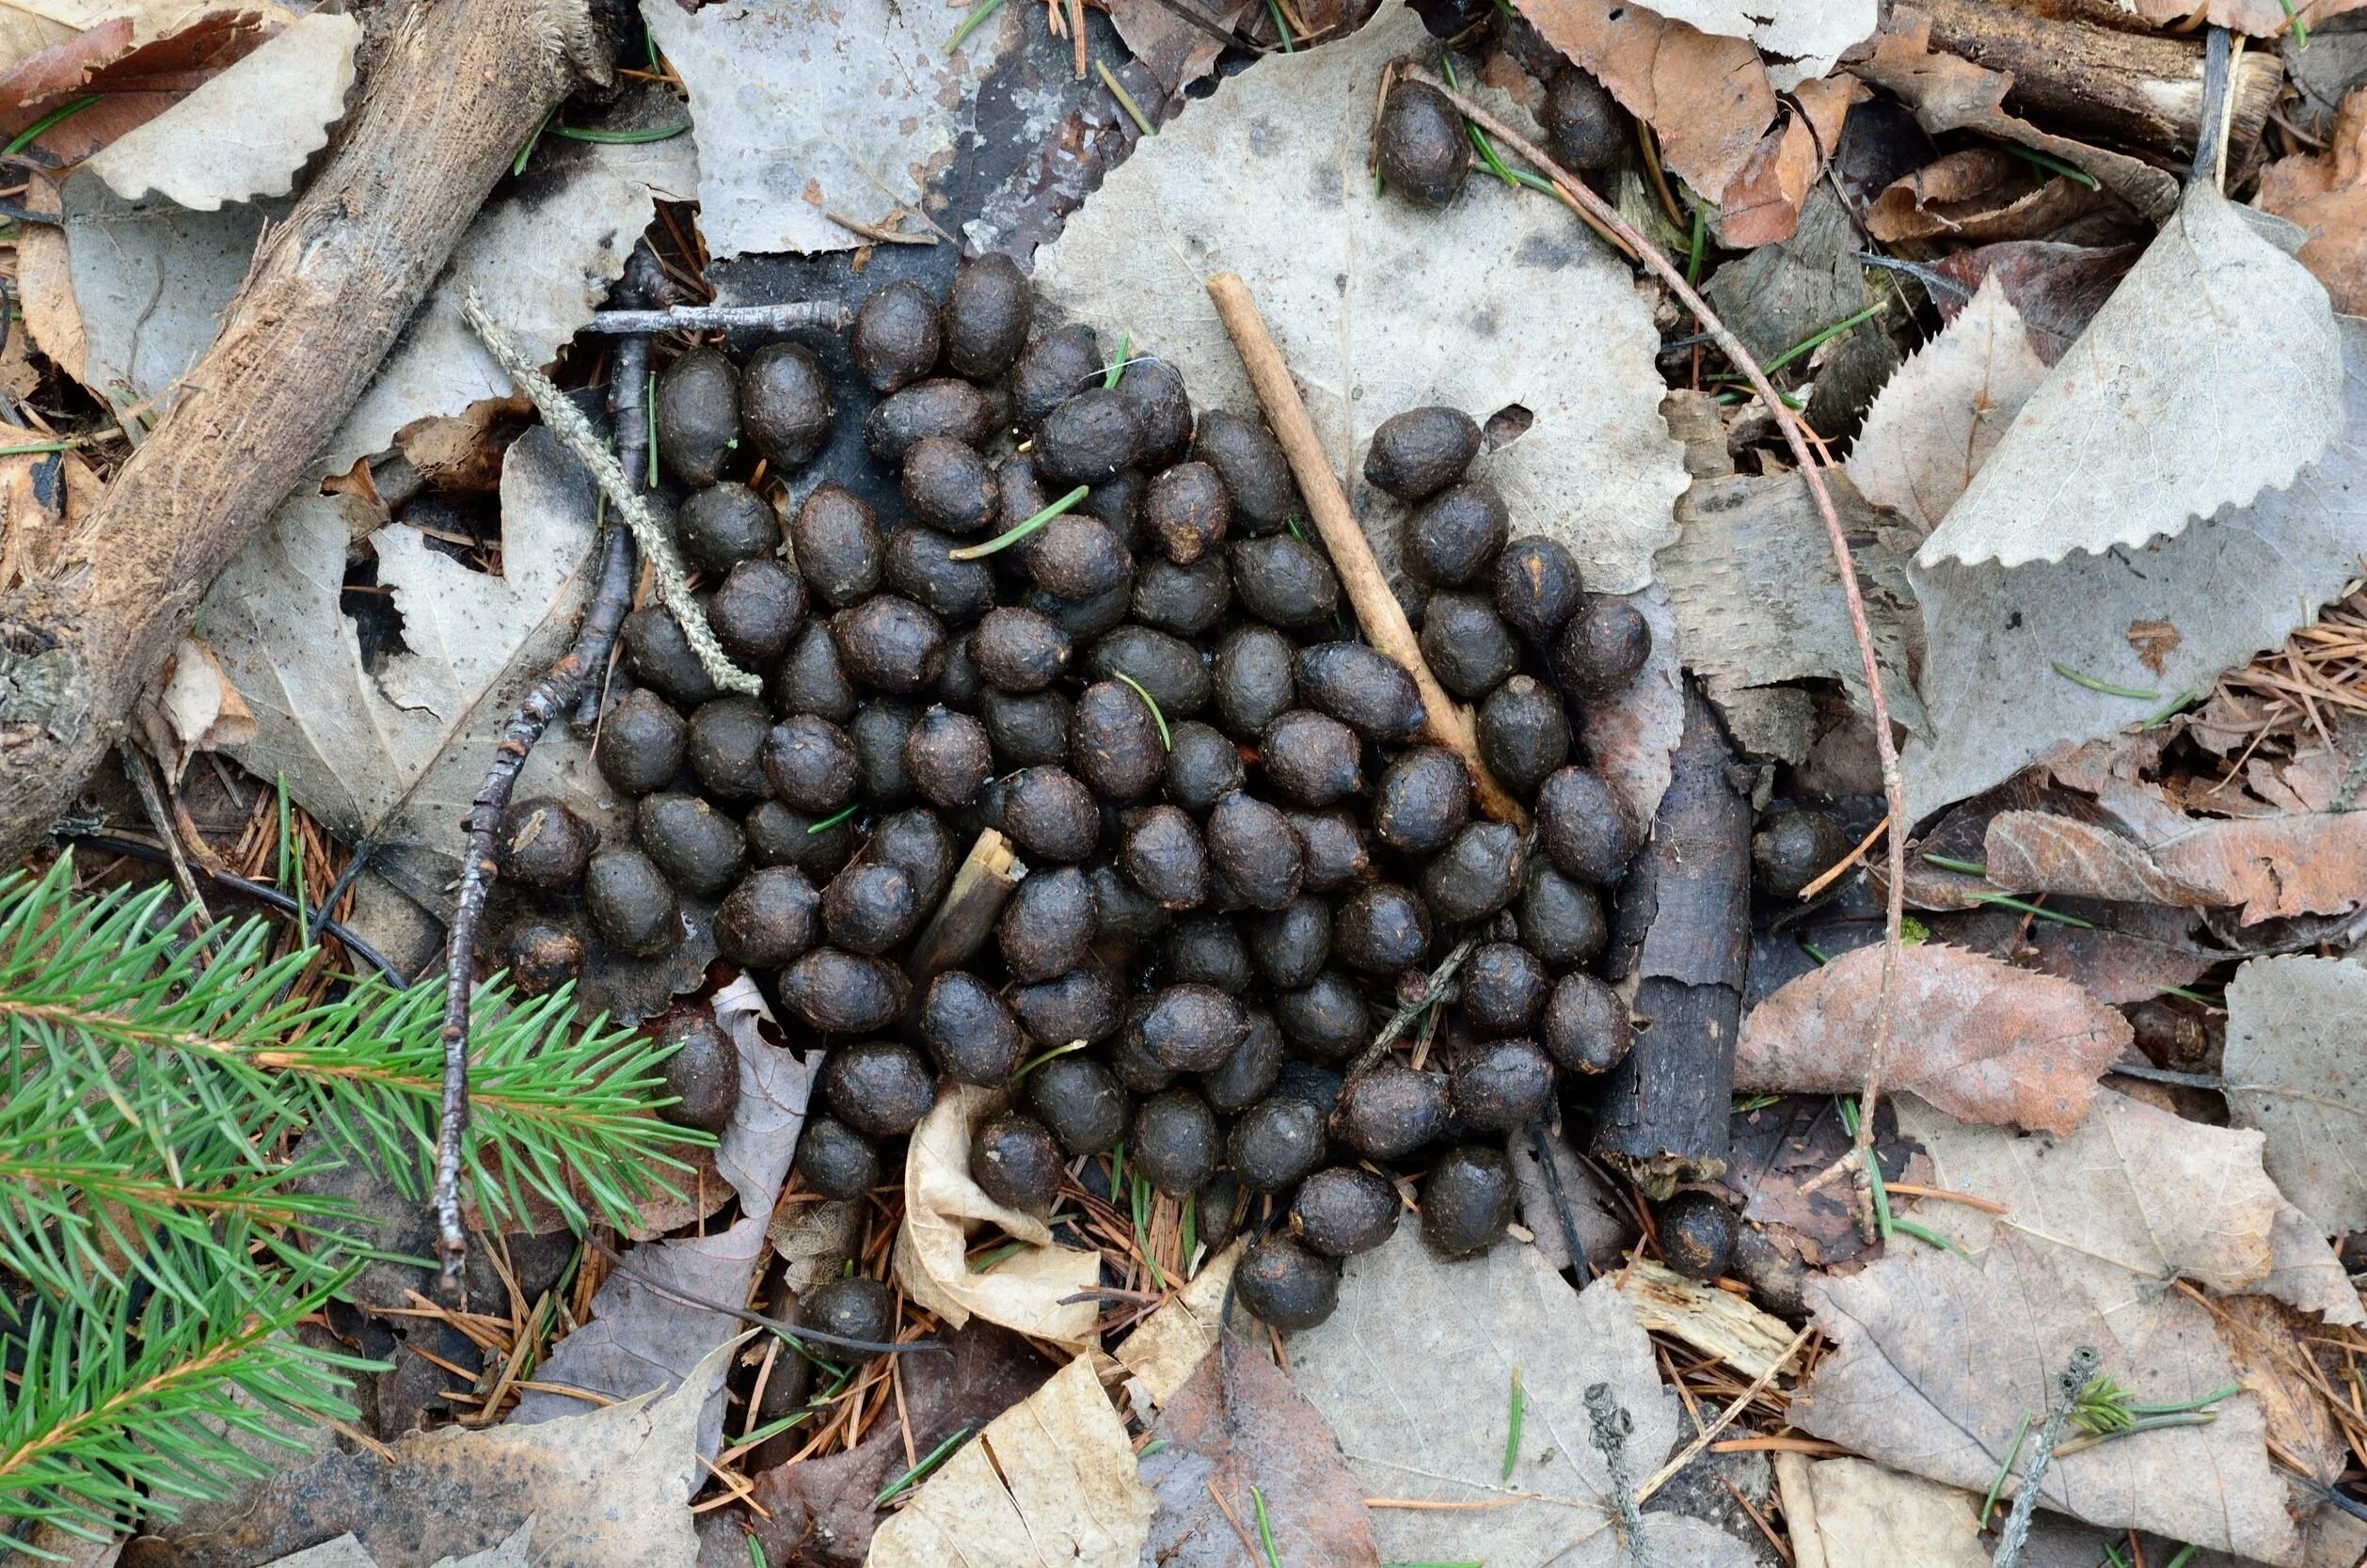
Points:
(988, 876)
(459, 90)
(1684, 933)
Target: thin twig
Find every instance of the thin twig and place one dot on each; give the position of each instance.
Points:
(260, 892)
(1726, 1417)
(2026, 1501)
(1893, 789)
(1434, 987)
(781, 1326)
(1612, 1427)
(829, 314)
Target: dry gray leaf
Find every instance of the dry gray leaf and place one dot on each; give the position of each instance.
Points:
(1871, 1516)
(348, 1551)
(2230, 585)
(1939, 1360)
(2296, 1069)
(245, 132)
(2134, 1198)
(1268, 179)
(2213, 374)
(1805, 37)
(399, 751)
(1933, 425)
(1414, 1374)
(1050, 1484)
(800, 112)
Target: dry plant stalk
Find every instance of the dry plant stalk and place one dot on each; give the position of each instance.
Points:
(1795, 437)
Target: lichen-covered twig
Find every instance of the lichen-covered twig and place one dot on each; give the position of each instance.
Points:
(1611, 1426)
(1434, 989)
(568, 424)
(826, 313)
(2067, 1384)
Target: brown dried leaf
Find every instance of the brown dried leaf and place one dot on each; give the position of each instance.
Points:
(1981, 1040)
(2134, 951)
(2327, 195)
(1779, 1150)
(2058, 288)
(2312, 862)
(1171, 49)
(2032, 852)
(1979, 194)
(1762, 202)
(2260, 18)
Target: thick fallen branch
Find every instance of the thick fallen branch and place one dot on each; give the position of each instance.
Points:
(461, 86)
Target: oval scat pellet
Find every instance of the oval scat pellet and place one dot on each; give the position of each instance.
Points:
(985, 320)
(1476, 874)
(1586, 126)
(1086, 619)
(1586, 828)
(1017, 1162)
(1174, 1142)
(786, 404)
(1505, 988)
(1523, 735)
(701, 851)
(1183, 601)
(781, 835)
(1792, 848)
(969, 1030)
(702, 1074)
(1335, 853)
(1054, 368)
(1382, 929)
(1559, 920)
(1392, 1111)
(1169, 668)
(1018, 650)
(756, 608)
(1499, 1086)
(541, 844)
(696, 415)
(1697, 1234)
(1317, 1086)
(1274, 1142)
(916, 841)
(1186, 511)
(1536, 586)
(1248, 1075)
(836, 543)
(943, 406)
(1026, 732)
(880, 1089)
(918, 563)
(640, 743)
(1205, 950)
(1423, 153)
(725, 739)
(1190, 1028)
(1138, 1071)
(769, 919)
(542, 956)
(811, 763)
(1047, 928)
(1456, 535)
(1312, 759)
(1466, 1200)
(948, 485)
(844, 993)
(1341, 1211)
(1363, 688)
(890, 644)
(1604, 646)
(1154, 391)
(1255, 851)
(1078, 1098)
(869, 908)
(1076, 557)
(723, 525)
(851, 1309)
(1418, 453)
(1253, 682)
(1202, 766)
(1327, 1020)
(950, 758)
(1163, 855)
(1121, 909)
(1283, 1284)
(1050, 815)
(1114, 741)
(1116, 501)
(879, 732)
(835, 1161)
(1251, 461)
(1082, 1004)
(1282, 580)
(1290, 945)
(1087, 439)
(659, 656)
(894, 340)
(1466, 644)
(630, 903)
(810, 681)
(1424, 802)
(1586, 1026)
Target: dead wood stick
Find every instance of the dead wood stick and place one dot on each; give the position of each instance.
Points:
(1376, 607)
(829, 314)
(980, 889)
(460, 88)
(1795, 437)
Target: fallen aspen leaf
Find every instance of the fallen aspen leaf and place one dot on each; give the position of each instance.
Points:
(2296, 1070)
(1868, 1515)
(2307, 862)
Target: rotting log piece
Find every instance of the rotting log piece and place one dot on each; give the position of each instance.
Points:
(1684, 934)
(459, 90)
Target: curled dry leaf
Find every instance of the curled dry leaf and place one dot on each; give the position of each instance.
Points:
(2296, 1071)
(2059, 287)
(1981, 194)
(940, 1204)
(2033, 852)
(190, 707)
(2260, 18)
(1051, 1480)
(1762, 203)
(1990, 1043)
(1167, 1347)
(2309, 862)
(2325, 194)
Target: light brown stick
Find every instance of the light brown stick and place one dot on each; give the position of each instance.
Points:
(1376, 607)
(980, 888)
(1894, 790)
